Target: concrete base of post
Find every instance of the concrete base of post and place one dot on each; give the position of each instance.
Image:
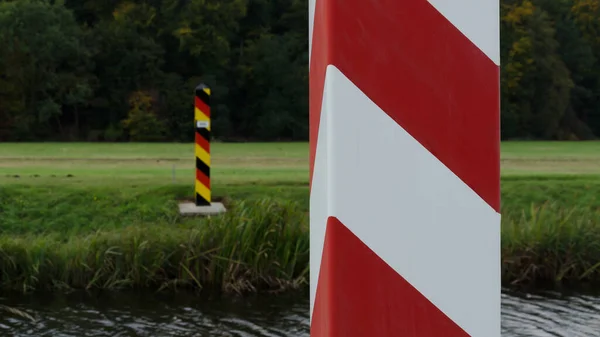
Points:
(190, 209)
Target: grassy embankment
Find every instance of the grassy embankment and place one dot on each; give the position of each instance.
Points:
(105, 216)
(551, 213)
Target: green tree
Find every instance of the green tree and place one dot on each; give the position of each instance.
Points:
(586, 14)
(68, 68)
(536, 84)
(42, 62)
(142, 123)
(126, 60)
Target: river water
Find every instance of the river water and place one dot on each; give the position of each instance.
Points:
(136, 314)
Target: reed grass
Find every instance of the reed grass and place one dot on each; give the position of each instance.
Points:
(551, 245)
(258, 245)
(261, 244)
(64, 237)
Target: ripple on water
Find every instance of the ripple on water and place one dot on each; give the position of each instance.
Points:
(124, 315)
(550, 314)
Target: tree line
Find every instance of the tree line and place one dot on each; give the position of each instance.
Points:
(125, 70)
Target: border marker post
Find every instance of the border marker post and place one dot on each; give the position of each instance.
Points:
(202, 127)
(203, 203)
(404, 168)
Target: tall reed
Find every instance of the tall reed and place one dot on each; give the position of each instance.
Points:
(259, 245)
(551, 244)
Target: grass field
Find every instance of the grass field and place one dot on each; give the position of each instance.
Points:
(154, 163)
(543, 158)
(240, 163)
(105, 215)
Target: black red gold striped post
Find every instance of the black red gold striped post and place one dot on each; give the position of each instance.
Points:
(202, 125)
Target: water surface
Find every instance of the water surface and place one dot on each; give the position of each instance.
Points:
(143, 314)
(550, 314)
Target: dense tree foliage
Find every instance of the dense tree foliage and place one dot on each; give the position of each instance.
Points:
(118, 70)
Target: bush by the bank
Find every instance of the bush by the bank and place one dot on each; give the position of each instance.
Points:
(260, 245)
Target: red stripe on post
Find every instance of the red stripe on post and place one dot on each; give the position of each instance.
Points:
(318, 67)
(203, 143)
(201, 177)
(201, 106)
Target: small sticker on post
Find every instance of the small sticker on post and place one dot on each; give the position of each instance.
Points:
(202, 124)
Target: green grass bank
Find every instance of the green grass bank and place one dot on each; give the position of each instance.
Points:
(104, 216)
(120, 242)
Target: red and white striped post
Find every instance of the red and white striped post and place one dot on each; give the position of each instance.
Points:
(405, 174)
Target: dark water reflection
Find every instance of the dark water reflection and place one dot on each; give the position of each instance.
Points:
(550, 315)
(119, 315)
(129, 314)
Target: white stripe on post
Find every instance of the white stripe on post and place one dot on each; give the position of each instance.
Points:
(479, 20)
